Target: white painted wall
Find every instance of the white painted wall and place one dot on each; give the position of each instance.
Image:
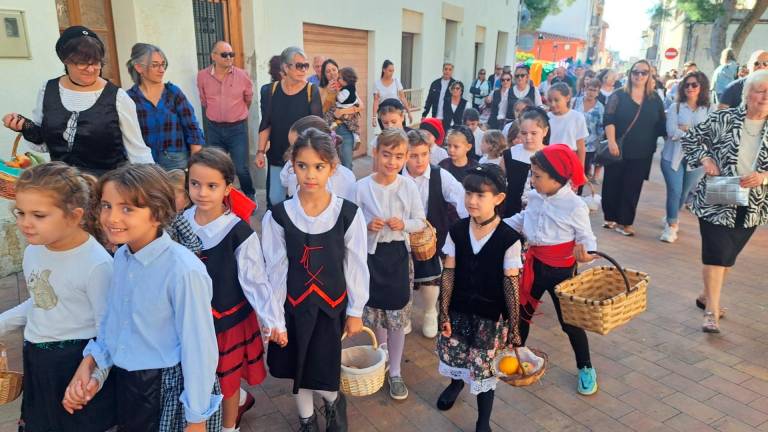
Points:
(22, 78)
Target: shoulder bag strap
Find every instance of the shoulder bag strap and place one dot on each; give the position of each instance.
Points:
(631, 125)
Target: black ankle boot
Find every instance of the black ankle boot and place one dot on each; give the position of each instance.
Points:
(309, 424)
(449, 395)
(336, 414)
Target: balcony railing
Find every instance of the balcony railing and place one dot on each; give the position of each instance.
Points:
(415, 98)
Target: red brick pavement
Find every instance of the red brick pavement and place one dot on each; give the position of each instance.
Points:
(659, 372)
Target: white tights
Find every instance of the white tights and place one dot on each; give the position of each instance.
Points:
(304, 400)
(395, 340)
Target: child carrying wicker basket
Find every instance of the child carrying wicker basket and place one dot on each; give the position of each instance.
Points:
(556, 225)
(479, 298)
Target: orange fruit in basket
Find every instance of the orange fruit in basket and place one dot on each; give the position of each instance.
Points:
(509, 365)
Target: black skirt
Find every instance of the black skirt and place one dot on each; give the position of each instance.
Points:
(427, 271)
(389, 284)
(48, 369)
(312, 358)
(720, 245)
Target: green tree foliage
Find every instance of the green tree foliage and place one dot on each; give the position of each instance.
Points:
(541, 8)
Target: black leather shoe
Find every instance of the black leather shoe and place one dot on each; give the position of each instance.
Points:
(449, 395)
(336, 414)
(309, 424)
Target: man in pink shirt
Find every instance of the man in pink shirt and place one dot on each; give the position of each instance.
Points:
(226, 93)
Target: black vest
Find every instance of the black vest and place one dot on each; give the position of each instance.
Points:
(98, 145)
(316, 263)
(229, 304)
(479, 279)
(531, 96)
(517, 175)
(440, 213)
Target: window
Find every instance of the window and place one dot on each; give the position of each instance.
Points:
(406, 60)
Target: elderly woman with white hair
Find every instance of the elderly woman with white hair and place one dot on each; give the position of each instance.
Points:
(730, 143)
(167, 119)
(290, 99)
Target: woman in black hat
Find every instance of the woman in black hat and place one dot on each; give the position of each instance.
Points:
(81, 118)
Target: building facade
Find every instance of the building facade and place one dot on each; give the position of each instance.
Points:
(417, 36)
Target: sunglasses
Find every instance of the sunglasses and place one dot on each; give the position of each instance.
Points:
(761, 64)
(498, 69)
(640, 72)
(227, 54)
(692, 84)
(299, 66)
(481, 73)
(521, 75)
(506, 79)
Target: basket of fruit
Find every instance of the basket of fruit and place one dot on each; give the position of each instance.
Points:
(521, 366)
(11, 170)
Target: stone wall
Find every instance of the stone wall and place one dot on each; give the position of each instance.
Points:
(12, 243)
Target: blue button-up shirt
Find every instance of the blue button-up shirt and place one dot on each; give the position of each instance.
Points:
(171, 125)
(159, 315)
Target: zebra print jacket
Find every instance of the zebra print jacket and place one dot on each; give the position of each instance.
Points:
(718, 137)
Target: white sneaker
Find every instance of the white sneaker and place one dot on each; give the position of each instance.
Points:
(429, 327)
(669, 235)
(408, 328)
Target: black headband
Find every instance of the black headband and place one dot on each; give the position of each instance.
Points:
(543, 163)
(391, 102)
(493, 173)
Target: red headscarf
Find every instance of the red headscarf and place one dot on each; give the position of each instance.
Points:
(565, 162)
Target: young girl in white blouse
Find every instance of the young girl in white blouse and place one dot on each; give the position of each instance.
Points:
(232, 255)
(567, 126)
(392, 208)
(556, 225)
(342, 181)
(315, 247)
(65, 307)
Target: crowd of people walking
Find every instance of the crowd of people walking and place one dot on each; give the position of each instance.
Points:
(177, 299)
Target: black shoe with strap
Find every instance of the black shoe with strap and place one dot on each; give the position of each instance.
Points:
(336, 414)
(449, 395)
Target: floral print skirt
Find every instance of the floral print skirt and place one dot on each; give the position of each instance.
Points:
(468, 353)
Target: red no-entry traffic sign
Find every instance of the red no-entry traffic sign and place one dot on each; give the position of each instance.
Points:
(671, 53)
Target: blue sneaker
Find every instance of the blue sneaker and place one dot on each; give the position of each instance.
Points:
(587, 381)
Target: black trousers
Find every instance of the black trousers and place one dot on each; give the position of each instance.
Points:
(622, 184)
(546, 279)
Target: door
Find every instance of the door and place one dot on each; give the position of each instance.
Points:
(217, 20)
(97, 16)
(348, 47)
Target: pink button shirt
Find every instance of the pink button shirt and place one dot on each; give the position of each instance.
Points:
(225, 101)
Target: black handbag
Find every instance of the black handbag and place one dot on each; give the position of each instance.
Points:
(603, 154)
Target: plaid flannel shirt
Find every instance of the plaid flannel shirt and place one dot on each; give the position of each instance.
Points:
(181, 232)
(171, 125)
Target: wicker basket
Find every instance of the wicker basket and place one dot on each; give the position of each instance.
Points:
(10, 382)
(603, 298)
(521, 378)
(9, 175)
(363, 367)
(424, 243)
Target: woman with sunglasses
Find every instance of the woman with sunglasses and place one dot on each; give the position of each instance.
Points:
(502, 103)
(692, 107)
(634, 119)
(480, 89)
(290, 99)
(454, 106)
(80, 118)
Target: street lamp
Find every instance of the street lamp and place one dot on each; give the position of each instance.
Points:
(555, 52)
(541, 38)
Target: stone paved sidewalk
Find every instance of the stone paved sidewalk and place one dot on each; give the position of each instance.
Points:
(659, 372)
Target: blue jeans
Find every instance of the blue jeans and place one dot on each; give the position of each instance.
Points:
(172, 160)
(234, 140)
(275, 191)
(347, 145)
(679, 185)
